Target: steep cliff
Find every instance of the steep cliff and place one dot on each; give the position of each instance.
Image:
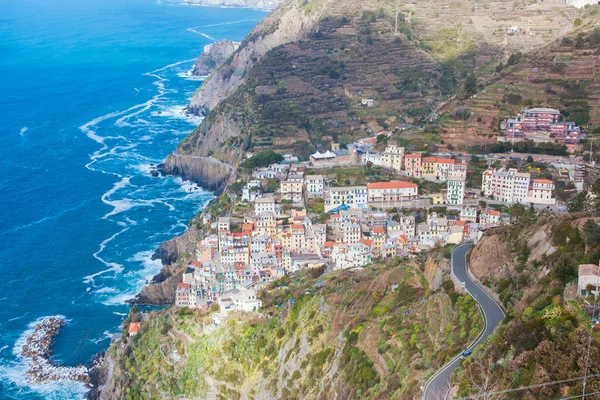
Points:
(213, 56)
(208, 172)
(174, 254)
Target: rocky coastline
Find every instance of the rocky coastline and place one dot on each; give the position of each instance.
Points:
(209, 173)
(38, 349)
(213, 56)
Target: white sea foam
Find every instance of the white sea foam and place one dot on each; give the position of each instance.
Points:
(13, 373)
(188, 75)
(178, 112)
(113, 267)
(23, 130)
(120, 314)
(202, 34)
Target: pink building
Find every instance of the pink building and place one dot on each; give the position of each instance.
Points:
(412, 165)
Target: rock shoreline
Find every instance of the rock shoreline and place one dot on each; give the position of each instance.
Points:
(38, 348)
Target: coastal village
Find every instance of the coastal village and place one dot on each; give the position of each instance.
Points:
(347, 207)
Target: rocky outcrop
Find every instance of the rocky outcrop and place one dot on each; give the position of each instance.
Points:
(207, 172)
(436, 269)
(260, 4)
(161, 291)
(286, 24)
(492, 256)
(38, 348)
(168, 252)
(213, 56)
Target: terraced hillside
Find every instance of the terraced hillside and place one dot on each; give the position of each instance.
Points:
(565, 75)
(297, 81)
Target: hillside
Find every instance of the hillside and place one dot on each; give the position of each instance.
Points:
(297, 81)
(352, 334)
(564, 75)
(532, 270)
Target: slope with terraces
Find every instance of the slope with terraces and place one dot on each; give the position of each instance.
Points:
(564, 75)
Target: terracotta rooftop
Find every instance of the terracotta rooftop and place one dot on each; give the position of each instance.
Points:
(134, 327)
(391, 185)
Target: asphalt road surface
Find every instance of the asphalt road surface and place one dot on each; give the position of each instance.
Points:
(437, 386)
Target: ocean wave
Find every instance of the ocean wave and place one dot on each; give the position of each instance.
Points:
(113, 267)
(188, 75)
(178, 112)
(202, 34)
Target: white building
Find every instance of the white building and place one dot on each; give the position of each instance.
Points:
(589, 274)
(391, 192)
(468, 214)
(489, 217)
(392, 157)
(314, 185)
(351, 196)
(264, 204)
(251, 191)
(455, 194)
(541, 192)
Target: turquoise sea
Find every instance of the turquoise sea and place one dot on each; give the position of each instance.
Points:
(91, 94)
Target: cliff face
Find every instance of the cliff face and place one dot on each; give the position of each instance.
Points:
(260, 4)
(211, 174)
(174, 254)
(213, 56)
(287, 23)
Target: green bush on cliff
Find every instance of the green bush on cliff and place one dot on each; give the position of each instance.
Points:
(262, 159)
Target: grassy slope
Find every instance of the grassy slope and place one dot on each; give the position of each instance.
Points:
(546, 333)
(349, 338)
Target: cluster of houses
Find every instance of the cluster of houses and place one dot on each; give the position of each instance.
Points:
(274, 235)
(530, 123)
(510, 186)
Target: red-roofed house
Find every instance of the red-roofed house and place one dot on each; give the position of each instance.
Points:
(184, 295)
(489, 217)
(134, 328)
(390, 192)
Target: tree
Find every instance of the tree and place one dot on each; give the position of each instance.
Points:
(564, 269)
(591, 233)
(516, 212)
(470, 84)
(579, 203)
(485, 382)
(262, 159)
(529, 159)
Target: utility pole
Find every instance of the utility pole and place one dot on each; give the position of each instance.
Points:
(396, 26)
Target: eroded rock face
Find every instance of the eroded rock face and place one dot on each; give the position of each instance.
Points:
(214, 56)
(286, 24)
(207, 172)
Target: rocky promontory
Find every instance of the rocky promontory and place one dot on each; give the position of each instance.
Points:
(38, 348)
(161, 291)
(207, 172)
(213, 56)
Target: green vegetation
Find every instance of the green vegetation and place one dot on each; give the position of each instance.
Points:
(353, 334)
(262, 159)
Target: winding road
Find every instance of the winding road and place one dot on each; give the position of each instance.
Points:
(437, 387)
